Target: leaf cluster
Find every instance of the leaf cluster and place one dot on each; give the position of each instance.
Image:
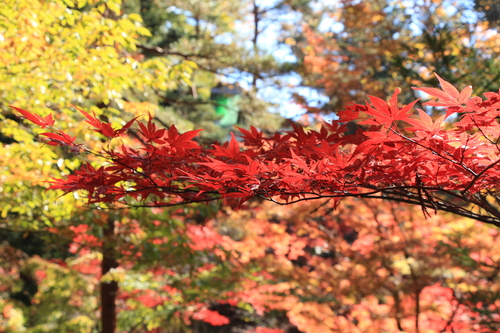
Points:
(396, 156)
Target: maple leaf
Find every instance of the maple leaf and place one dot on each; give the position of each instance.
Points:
(152, 134)
(229, 149)
(425, 123)
(99, 126)
(182, 141)
(386, 114)
(36, 119)
(251, 137)
(297, 161)
(449, 96)
(351, 112)
(375, 139)
(125, 127)
(61, 139)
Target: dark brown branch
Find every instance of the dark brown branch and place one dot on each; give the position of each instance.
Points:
(476, 177)
(189, 56)
(434, 152)
(164, 52)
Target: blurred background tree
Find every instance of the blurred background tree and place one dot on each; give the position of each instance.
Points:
(55, 54)
(99, 56)
(206, 268)
(222, 38)
(372, 47)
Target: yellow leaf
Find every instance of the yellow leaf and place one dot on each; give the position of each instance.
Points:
(114, 7)
(144, 32)
(5, 210)
(135, 17)
(101, 9)
(69, 3)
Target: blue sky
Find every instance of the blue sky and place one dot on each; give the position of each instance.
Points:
(269, 41)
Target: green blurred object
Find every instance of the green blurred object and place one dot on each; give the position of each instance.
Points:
(227, 99)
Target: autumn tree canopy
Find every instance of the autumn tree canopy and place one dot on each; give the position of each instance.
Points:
(371, 47)
(184, 259)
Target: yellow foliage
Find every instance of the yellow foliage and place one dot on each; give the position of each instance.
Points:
(53, 56)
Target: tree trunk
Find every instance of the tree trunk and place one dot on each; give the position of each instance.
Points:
(108, 290)
(256, 20)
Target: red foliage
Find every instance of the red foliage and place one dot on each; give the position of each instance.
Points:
(36, 119)
(396, 156)
(212, 317)
(82, 240)
(267, 330)
(204, 238)
(391, 263)
(149, 299)
(370, 267)
(90, 267)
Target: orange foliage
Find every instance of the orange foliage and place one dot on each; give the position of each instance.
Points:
(368, 267)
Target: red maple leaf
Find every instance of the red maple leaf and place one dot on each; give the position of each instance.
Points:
(386, 114)
(36, 119)
(449, 96)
